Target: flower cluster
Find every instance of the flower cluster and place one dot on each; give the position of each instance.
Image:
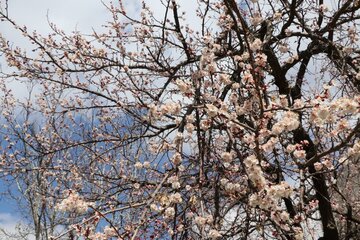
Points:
(288, 122)
(268, 198)
(254, 171)
(73, 203)
(331, 112)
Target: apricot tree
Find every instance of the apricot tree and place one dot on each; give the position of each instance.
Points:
(240, 123)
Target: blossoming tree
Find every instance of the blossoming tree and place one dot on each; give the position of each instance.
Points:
(242, 123)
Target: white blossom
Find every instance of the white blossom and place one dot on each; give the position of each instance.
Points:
(169, 212)
(214, 234)
(256, 45)
(73, 203)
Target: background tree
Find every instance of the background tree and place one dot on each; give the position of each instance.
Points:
(243, 124)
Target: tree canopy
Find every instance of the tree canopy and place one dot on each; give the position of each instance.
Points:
(240, 122)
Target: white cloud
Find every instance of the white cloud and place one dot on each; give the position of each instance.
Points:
(7, 221)
(68, 15)
(10, 226)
